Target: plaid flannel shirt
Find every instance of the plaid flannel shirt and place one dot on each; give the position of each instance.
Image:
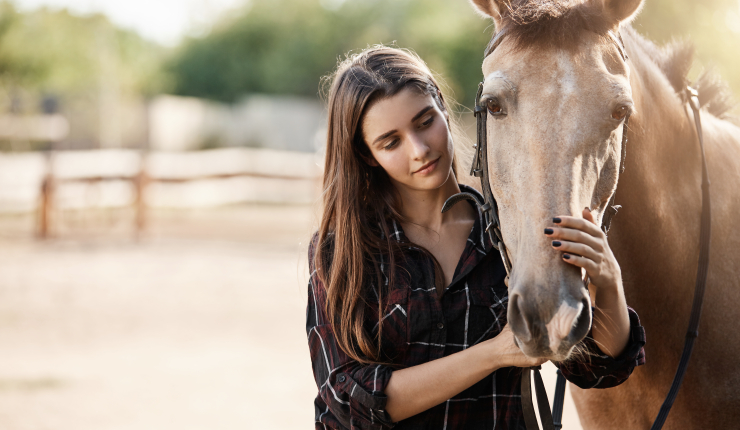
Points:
(418, 327)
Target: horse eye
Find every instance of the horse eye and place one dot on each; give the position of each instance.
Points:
(493, 107)
(620, 113)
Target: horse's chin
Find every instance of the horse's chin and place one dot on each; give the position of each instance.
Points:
(551, 326)
(562, 357)
(562, 354)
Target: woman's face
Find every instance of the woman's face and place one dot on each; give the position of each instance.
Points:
(408, 137)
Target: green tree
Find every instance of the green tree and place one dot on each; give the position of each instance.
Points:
(286, 46)
(57, 52)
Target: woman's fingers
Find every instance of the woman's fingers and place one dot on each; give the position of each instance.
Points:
(533, 362)
(525, 361)
(587, 215)
(509, 354)
(591, 267)
(578, 249)
(573, 235)
(584, 245)
(584, 225)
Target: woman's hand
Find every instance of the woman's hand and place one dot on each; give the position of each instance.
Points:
(507, 354)
(584, 245)
(418, 388)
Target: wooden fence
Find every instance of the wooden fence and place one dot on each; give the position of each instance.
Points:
(140, 182)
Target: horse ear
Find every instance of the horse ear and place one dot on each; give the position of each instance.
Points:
(489, 8)
(621, 11)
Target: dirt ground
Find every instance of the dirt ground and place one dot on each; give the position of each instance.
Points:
(198, 324)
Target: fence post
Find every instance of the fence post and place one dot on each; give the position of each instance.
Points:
(47, 199)
(141, 182)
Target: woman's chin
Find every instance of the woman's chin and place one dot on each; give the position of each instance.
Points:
(430, 183)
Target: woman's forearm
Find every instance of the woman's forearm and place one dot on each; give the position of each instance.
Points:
(611, 325)
(418, 388)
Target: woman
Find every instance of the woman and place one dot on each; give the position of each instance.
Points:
(406, 305)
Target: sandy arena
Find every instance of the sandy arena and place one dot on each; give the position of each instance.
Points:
(199, 324)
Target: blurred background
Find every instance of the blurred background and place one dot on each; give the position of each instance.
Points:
(159, 172)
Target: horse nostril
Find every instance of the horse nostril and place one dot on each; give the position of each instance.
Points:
(583, 324)
(517, 319)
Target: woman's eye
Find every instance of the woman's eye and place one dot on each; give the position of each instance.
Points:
(391, 144)
(428, 121)
(620, 112)
(493, 107)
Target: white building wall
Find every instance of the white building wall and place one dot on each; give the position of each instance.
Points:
(275, 122)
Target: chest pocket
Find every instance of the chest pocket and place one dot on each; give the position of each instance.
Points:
(394, 324)
(487, 314)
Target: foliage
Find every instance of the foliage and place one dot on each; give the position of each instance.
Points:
(285, 46)
(56, 52)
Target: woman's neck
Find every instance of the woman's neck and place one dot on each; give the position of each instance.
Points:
(423, 208)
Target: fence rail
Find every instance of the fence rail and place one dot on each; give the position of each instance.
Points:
(143, 180)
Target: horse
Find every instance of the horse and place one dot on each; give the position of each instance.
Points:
(564, 85)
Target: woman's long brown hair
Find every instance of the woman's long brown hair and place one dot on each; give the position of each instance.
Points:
(359, 200)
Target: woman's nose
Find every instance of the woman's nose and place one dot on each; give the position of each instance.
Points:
(420, 149)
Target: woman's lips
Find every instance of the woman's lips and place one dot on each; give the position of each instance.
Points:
(427, 168)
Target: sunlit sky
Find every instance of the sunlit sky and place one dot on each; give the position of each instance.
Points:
(167, 21)
(164, 21)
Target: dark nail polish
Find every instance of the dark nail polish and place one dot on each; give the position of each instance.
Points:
(556, 220)
(566, 256)
(548, 231)
(556, 243)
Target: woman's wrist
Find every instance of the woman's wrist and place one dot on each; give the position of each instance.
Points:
(489, 355)
(611, 319)
(608, 293)
(502, 351)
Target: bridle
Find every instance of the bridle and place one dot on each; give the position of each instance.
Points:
(489, 208)
(479, 167)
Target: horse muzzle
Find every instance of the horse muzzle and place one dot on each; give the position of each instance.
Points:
(542, 332)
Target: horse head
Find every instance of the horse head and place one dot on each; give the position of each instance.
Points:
(557, 91)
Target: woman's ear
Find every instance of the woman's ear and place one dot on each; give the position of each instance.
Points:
(368, 158)
(370, 161)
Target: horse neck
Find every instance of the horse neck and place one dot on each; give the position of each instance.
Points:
(654, 236)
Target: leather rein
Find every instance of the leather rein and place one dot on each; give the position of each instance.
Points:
(552, 420)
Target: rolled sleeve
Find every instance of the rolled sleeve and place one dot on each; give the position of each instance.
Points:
(351, 394)
(598, 370)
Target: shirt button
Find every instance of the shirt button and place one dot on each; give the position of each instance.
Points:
(440, 326)
(341, 378)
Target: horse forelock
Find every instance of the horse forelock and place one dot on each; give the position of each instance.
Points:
(551, 22)
(560, 23)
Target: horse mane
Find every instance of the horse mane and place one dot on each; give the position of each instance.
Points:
(560, 23)
(675, 59)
